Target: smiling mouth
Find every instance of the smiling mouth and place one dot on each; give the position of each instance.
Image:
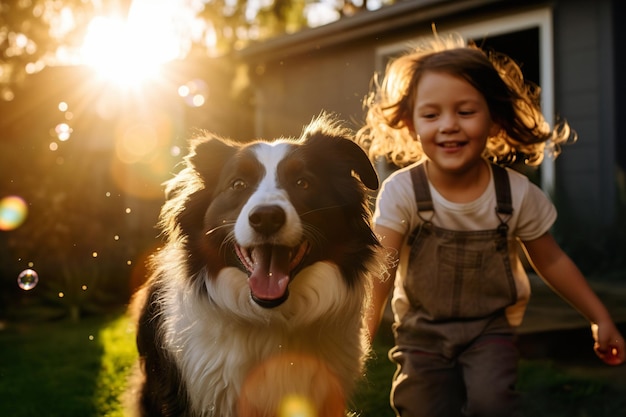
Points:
(270, 269)
(452, 145)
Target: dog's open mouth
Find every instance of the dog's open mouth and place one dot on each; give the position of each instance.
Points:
(270, 268)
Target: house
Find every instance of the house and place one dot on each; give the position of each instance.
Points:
(570, 47)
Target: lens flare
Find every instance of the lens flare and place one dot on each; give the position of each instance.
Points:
(292, 385)
(296, 406)
(195, 93)
(63, 131)
(136, 143)
(142, 162)
(27, 279)
(13, 212)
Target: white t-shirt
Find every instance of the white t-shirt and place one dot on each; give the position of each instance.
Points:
(533, 215)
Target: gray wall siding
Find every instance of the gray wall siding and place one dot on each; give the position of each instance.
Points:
(585, 179)
(294, 90)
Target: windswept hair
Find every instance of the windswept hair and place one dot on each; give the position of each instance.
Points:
(514, 104)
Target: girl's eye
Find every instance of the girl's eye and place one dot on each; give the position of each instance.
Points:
(238, 185)
(466, 112)
(302, 183)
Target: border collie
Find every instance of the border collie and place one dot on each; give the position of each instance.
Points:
(258, 293)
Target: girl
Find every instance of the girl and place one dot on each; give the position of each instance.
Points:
(452, 116)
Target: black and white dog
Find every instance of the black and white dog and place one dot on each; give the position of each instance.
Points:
(268, 255)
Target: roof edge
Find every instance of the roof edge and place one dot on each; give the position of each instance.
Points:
(360, 25)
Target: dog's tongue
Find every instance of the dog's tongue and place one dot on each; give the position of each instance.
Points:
(270, 277)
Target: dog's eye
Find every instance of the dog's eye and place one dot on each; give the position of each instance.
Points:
(302, 183)
(239, 184)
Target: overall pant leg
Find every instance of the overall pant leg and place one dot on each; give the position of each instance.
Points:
(426, 385)
(489, 368)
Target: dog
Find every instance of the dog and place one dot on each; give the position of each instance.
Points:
(258, 293)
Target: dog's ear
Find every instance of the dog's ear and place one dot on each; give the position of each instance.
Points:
(359, 162)
(188, 194)
(208, 155)
(335, 142)
(203, 164)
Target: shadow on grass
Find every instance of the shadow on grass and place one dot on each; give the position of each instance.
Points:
(63, 368)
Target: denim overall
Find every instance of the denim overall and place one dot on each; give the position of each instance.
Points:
(455, 347)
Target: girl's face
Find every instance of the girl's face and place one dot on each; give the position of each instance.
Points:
(452, 121)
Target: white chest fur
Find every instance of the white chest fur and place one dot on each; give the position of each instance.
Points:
(219, 336)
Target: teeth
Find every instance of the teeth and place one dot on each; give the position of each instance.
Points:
(451, 144)
(245, 256)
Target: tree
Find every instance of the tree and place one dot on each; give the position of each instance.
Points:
(37, 33)
(33, 32)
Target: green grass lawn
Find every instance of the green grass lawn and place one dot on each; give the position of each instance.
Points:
(68, 369)
(65, 369)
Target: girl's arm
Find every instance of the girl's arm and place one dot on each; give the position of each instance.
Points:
(391, 242)
(564, 277)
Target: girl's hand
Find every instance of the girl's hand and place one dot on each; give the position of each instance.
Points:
(609, 344)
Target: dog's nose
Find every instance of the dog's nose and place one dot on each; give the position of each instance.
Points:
(267, 219)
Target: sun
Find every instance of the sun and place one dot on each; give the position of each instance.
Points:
(130, 51)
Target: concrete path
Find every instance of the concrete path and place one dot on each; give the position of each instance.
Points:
(548, 312)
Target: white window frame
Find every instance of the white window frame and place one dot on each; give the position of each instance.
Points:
(538, 18)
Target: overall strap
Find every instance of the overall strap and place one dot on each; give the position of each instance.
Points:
(423, 199)
(503, 190)
(504, 208)
(421, 189)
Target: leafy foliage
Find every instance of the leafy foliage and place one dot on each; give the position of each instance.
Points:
(35, 33)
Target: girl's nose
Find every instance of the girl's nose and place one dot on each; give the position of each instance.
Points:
(448, 123)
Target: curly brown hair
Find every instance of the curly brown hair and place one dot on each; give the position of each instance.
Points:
(513, 104)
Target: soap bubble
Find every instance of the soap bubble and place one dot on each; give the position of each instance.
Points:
(27, 279)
